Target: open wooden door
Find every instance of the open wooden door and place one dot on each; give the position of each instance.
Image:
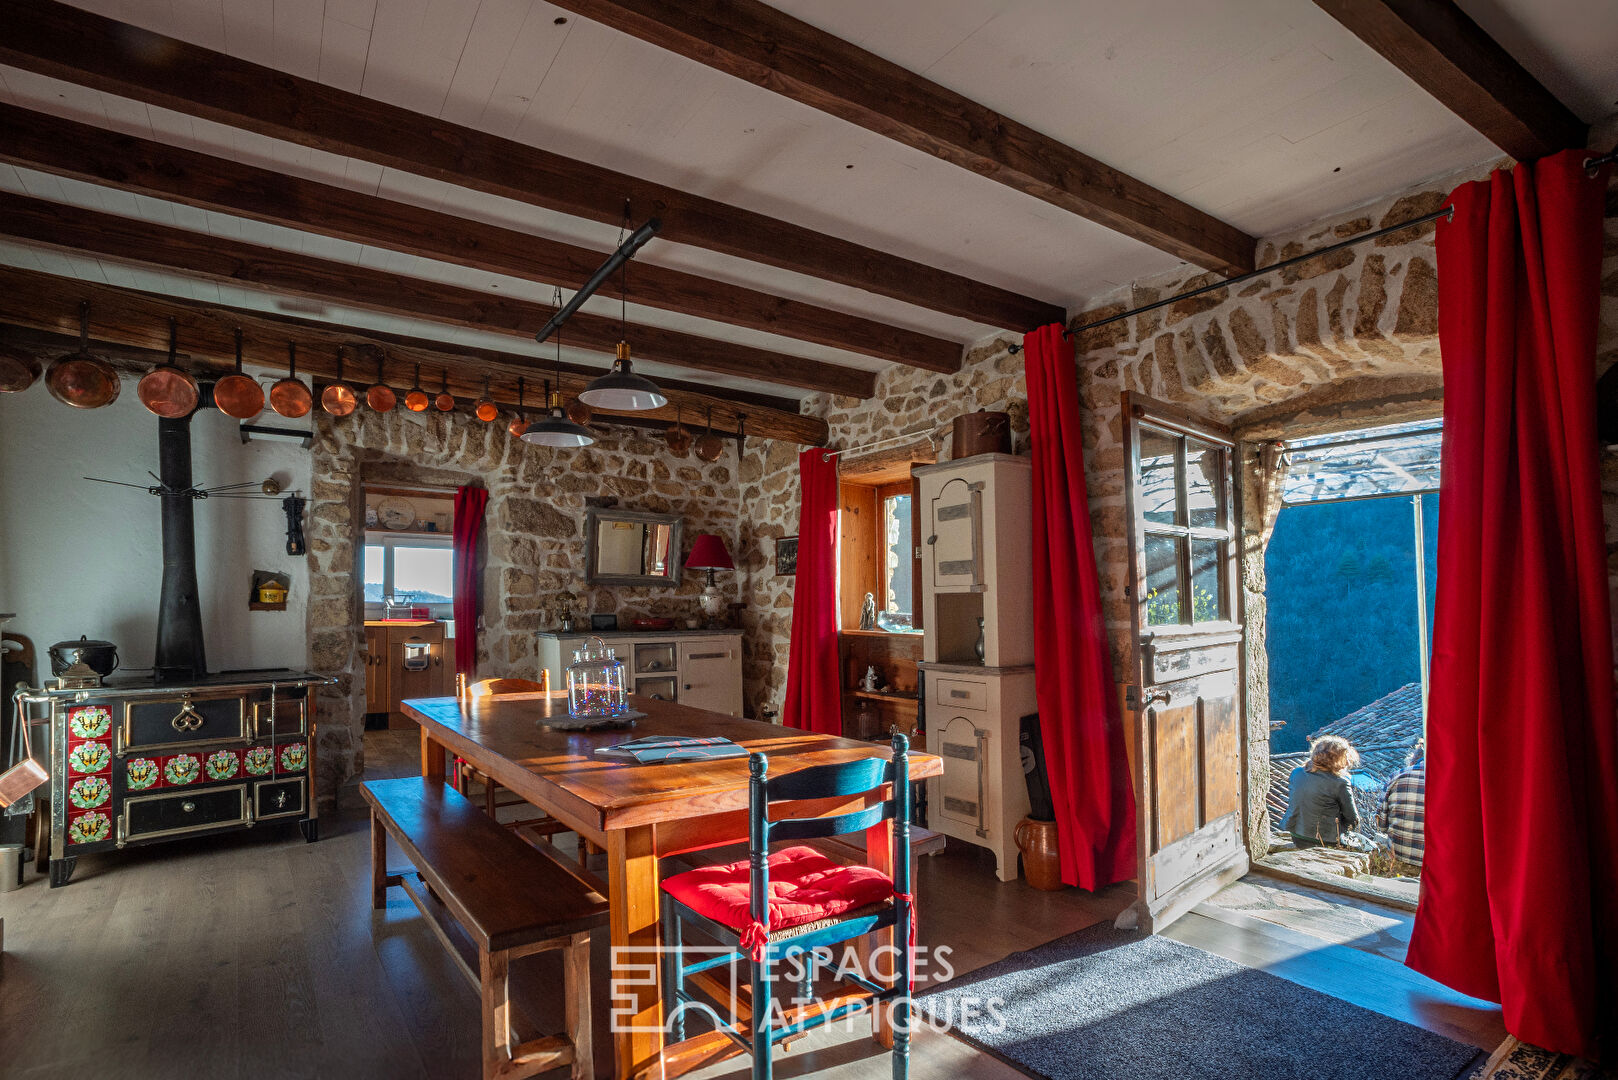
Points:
(1186, 699)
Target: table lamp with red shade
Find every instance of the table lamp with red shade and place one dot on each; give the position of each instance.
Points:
(709, 553)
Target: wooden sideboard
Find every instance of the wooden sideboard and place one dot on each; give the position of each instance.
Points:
(404, 659)
(699, 668)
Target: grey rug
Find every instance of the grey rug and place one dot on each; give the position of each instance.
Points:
(1106, 1004)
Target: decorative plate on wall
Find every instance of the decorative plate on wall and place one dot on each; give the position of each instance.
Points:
(395, 513)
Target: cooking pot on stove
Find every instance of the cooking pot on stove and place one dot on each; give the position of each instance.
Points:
(100, 657)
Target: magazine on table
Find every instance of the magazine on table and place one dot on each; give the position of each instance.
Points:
(672, 748)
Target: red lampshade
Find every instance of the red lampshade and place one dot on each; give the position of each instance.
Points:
(709, 553)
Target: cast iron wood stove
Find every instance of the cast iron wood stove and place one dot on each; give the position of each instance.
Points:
(181, 752)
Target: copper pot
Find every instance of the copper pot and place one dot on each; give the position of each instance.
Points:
(445, 401)
(239, 396)
(82, 379)
(290, 397)
(486, 410)
(166, 390)
(380, 397)
(708, 446)
(339, 398)
(678, 436)
(578, 411)
(519, 423)
(416, 400)
(18, 369)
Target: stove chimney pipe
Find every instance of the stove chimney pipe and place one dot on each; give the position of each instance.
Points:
(180, 653)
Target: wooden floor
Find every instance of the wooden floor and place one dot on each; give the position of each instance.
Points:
(257, 955)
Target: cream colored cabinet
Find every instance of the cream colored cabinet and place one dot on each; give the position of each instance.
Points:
(977, 607)
(699, 668)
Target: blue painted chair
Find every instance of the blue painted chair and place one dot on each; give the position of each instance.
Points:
(774, 907)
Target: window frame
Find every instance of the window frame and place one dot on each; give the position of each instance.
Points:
(1183, 533)
(884, 492)
(389, 541)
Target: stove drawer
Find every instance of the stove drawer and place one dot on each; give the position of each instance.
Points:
(279, 798)
(184, 720)
(290, 718)
(149, 816)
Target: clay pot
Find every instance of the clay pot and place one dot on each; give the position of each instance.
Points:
(18, 369)
(1041, 865)
(239, 396)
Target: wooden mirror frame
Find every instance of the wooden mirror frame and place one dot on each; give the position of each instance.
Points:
(592, 522)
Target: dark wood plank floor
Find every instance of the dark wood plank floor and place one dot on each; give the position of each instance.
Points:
(257, 955)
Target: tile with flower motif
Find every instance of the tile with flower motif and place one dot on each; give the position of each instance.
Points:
(294, 756)
(88, 721)
(89, 792)
(93, 756)
(143, 772)
(259, 760)
(88, 827)
(182, 769)
(222, 764)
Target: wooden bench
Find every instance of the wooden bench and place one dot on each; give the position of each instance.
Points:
(478, 884)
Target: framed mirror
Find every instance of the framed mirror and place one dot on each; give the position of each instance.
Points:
(626, 547)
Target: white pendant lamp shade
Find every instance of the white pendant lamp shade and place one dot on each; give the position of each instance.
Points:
(621, 390)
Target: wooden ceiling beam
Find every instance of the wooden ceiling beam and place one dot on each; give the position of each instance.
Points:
(72, 229)
(767, 47)
(92, 154)
(137, 322)
(64, 42)
(1453, 59)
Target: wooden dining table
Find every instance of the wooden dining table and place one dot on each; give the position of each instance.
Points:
(639, 814)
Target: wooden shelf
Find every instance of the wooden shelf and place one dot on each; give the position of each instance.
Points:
(882, 695)
(902, 634)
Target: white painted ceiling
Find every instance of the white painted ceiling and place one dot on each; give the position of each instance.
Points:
(1266, 113)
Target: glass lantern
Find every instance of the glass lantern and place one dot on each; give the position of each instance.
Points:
(595, 682)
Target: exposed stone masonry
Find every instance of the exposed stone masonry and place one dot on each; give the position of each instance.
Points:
(534, 538)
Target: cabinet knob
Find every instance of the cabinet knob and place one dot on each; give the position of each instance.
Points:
(188, 806)
(687, 686)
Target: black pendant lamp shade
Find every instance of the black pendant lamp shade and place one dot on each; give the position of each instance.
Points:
(556, 429)
(621, 390)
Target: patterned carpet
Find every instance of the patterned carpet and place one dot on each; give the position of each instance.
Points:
(1517, 1060)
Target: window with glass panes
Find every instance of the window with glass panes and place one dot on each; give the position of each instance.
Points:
(1184, 517)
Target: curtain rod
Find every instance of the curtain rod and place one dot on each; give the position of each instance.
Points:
(1590, 165)
(929, 434)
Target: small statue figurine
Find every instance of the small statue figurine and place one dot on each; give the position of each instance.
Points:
(868, 612)
(872, 682)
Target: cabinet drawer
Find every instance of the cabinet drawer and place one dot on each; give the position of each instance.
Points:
(184, 720)
(659, 657)
(961, 694)
(663, 688)
(147, 816)
(289, 717)
(278, 798)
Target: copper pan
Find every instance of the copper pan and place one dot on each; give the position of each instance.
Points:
(709, 446)
(486, 410)
(678, 436)
(445, 401)
(339, 398)
(82, 379)
(519, 423)
(416, 400)
(166, 390)
(380, 397)
(239, 396)
(289, 396)
(18, 369)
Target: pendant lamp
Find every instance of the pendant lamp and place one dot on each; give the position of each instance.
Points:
(556, 429)
(621, 390)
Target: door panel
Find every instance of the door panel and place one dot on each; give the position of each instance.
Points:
(956, 522)
(710, 675)
(1187, 691)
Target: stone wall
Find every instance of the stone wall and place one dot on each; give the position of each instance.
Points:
(533, 537)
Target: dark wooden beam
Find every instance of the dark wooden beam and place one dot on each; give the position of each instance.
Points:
(765, 46)
(64, 42)
(137, 324)
(72, 229)
(66, 148)
(1449, 56)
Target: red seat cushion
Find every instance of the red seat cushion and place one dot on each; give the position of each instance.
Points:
(805, 886)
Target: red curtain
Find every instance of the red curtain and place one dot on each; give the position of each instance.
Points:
(1079, 717)
(814, 700)
(469, 504)
(1519, 900)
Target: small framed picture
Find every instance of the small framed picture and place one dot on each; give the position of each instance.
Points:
(603, 620)
(786, 555)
